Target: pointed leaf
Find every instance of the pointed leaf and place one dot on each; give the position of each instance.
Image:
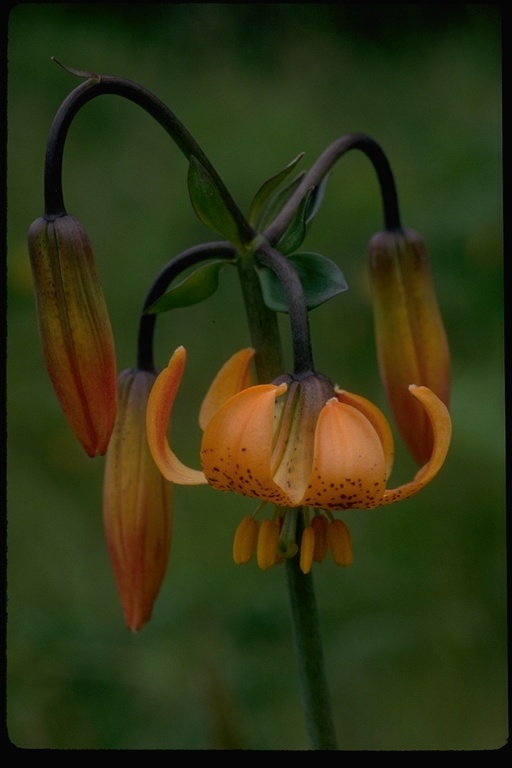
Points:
(263, 194)
(296, 231)
(316, 199)
(196, 287)
(208, 202)
(274, 205)
(321, 279)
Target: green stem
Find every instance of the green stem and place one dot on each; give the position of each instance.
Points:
(308, 649)
(263, 325)
(297, 308)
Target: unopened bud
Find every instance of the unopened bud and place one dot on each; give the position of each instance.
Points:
(412, 347)
(74, 327)
(137, 503)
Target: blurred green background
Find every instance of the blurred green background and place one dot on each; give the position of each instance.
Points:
(415, 630)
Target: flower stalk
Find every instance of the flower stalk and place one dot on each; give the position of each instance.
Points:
(301, 593)
(309, 654)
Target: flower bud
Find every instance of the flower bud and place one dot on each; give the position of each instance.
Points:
(137, 503)
(412, 347)
(74, 327)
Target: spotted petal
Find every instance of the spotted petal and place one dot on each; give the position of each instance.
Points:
(349, 468)
(237, 444)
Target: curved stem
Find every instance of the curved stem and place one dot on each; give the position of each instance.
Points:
(54, 203)
(324, 164)
(297, 309)
(169, 273)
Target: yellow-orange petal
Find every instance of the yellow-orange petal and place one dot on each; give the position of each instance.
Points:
(233, 377)
(442, 428)
(158, 416)
(349, 467)
(376, 419)
(237, 445)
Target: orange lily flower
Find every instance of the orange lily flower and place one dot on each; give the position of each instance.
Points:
(295, 443)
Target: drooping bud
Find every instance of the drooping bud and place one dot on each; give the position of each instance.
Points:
(137, 503)
(74, 327)
(412, 347)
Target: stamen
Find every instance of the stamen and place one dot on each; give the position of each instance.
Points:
(320, 525)
(246, 537)
(267, 543)
(307, 548)
(340, 543)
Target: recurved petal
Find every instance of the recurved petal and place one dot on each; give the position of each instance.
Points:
(237, 444)
(349, 467)
(441, 423)
(233, 377)
(158, 416)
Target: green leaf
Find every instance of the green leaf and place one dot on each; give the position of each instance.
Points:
(208, 202)
(296, 231)
(196, 287)
(268, 214)
(263, 194)
(321, 279)
(316, 199)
